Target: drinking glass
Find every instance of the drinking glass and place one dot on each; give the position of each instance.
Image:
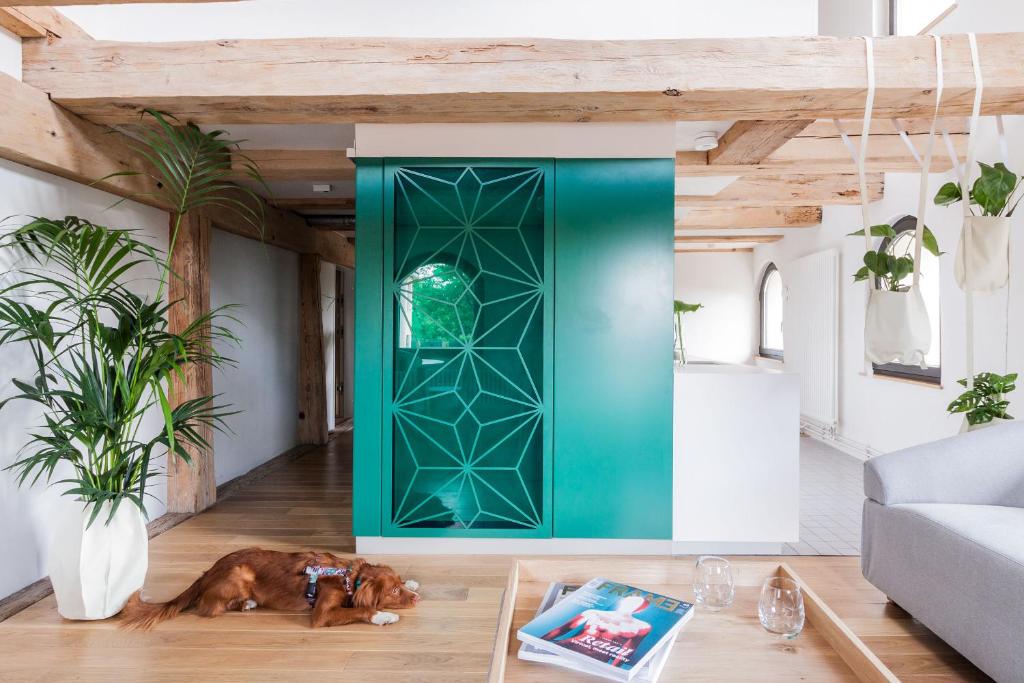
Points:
(781, 607)
(712, 583)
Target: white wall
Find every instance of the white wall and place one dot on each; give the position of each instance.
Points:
(10, 54)
(579, 19)
(724, 283)
(263, 281)
(26, 192)
(883, 414)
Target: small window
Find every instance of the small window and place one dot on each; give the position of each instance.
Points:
(771, 313)
(904, 246)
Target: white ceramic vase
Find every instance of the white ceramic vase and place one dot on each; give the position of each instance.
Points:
(95, 569)
(983, 254)
(896, 327)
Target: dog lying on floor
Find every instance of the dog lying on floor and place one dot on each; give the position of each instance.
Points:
(339, 591)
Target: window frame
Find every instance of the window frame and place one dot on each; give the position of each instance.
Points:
(762, 350)
(913, 373)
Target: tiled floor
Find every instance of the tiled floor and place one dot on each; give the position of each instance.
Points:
(831, 495)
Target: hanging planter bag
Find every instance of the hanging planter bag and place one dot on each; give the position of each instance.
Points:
(983, 254)
(896, 327)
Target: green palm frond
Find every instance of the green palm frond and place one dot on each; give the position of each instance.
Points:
(104, 357)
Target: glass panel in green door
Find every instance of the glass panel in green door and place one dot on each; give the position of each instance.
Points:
(470, 325)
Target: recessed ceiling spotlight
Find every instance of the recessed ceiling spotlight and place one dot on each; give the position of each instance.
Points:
(321, 188)
(706, 141)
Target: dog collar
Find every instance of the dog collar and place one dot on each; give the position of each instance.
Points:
(315, 571)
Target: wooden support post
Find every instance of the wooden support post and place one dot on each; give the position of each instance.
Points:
(312, 372)
(191, 487)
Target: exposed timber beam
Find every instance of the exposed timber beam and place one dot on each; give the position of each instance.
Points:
(315, 203)
(312, 80)
(726, 239)
(312, 390)
(756, 217)
(750, 142)
(191, 486)
(788, 190)
(57, 3)
(737, 250)
(44, 136)
(297, 164)
(826, 154)
(39, 22)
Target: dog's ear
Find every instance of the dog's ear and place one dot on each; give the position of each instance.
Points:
(368, 594)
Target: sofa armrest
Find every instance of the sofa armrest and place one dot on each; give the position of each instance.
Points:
(985, 467)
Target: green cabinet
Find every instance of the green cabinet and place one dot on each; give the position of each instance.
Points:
(513, 348)
(613, 348)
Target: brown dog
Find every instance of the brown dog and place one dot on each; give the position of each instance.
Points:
(346, 591)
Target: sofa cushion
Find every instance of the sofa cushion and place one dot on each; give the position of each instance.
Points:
(992, 528)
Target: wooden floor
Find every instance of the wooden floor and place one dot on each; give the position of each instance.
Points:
(307, 504)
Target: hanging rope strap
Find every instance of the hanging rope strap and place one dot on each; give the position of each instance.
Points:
(926, 165)
(965, 177)
(1005, 151)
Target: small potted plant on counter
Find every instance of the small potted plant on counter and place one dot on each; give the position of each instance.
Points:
(681, 308)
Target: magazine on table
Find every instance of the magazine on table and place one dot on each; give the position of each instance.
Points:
(605, 628)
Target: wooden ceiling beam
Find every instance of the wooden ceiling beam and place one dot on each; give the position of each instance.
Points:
(297, 164)
(44, 136)
(736, 250)
(755, 217)
(826, 155)
(57, 3)
(40, 22)
(787, 190)
(726, 239)
(750, 142)
(317, 203)
(329, 80)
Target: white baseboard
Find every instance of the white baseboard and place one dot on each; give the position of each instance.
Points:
(380, 545)
(725, 548)
(832, 438)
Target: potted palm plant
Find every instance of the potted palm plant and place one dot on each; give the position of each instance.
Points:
(104, 361)
(896, 327)
(983, 253)
(681, 308)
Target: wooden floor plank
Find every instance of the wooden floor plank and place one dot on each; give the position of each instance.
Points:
(306, 503)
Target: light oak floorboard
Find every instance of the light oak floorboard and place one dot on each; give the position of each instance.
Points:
(447, 639)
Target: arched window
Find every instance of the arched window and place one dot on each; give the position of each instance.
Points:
(903, 245)
(438, 307)
(770, 299)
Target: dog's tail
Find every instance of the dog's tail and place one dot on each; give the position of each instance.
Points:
(142, 616)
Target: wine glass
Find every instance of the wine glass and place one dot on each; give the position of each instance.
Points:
(712, 583)
(781, 607)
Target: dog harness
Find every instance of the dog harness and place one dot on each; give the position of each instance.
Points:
(315, 571)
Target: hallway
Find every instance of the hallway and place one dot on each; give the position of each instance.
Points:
(306, 503)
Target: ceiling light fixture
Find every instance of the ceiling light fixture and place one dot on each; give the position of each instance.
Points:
(706, 141)
(321, 188)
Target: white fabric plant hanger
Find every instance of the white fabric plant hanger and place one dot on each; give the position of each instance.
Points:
(896, 325)
(983, 253)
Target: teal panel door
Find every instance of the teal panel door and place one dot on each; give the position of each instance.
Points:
(468, 318)
(613, 348)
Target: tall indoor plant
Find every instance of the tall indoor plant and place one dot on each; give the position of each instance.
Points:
(105, 358)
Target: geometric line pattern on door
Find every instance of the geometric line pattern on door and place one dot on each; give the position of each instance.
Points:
(467, 399)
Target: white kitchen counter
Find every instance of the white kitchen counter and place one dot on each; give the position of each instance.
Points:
(736, 459)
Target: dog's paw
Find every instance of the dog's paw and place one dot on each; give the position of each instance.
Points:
(383, 618)
(412, 585)
(249, 604)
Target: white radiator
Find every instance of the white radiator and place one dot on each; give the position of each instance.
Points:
(810, 331)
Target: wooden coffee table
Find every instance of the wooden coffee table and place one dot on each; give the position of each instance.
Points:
(729, 645)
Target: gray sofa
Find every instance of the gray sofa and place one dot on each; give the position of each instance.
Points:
(943, 537)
